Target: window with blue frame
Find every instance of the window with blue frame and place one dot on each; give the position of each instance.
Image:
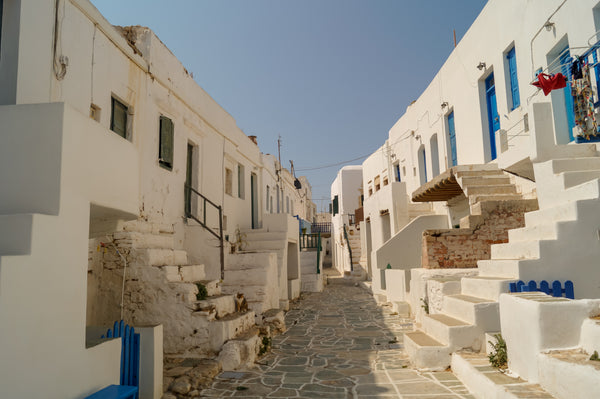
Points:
(513, 79)
(397, 171)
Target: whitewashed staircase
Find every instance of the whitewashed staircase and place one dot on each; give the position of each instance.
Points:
(312, 280)
(263, 241)
(163, 288)
(467, 315)
(559, 242)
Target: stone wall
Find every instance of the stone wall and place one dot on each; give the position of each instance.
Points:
(463, 247)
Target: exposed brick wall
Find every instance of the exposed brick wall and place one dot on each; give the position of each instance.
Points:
(463, 247)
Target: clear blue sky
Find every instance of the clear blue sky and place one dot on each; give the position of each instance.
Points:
(330, 76)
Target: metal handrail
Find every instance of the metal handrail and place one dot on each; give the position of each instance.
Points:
(319, 249)
(188, 190)
(321, 227)
(349, 249)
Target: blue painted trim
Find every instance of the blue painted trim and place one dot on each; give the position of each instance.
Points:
(514, 79)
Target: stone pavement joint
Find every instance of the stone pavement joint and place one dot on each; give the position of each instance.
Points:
(339, 344)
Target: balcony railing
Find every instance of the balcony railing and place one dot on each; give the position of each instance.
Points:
(321, 227)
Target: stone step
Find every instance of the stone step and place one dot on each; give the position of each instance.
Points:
(265, 236)
(481, 312)
(517, 250)
(562, 212)
(309, 269)
(218, 305)
(575, 164)
(572, 179)
(583, 191)
(455, 333)
(491, 190)
(502, 268)
(158, 257)
(148, 228)
(230, 326)
(590, 335)
(578, 376)
(473, 199)
(192, 273)
(213, 287)
(256, 276)
(263, 245)
(470, 221)
(483, 381)
(134, 239)
(240, 352)
(483, 180)
(485, 287)
(545, 231)
(425, 352)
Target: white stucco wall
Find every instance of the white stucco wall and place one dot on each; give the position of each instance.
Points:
(43, 335)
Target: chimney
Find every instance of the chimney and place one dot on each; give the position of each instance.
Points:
(253, 138)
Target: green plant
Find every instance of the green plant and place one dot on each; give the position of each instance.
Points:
(425, 304)
(595, 356)
(264, 347)
(202, 292)
(498, 357)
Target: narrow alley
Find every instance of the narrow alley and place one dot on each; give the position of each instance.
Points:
(339, 344)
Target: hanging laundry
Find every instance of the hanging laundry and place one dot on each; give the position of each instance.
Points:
(576, 72)
(583, 104)
(550, 82)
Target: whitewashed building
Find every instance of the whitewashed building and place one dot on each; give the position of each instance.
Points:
(121, 181)
(490, 181)
(346, 192)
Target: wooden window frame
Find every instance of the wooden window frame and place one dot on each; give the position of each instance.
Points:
(166, 142)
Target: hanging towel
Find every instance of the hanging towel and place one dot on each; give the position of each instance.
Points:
(550, 82)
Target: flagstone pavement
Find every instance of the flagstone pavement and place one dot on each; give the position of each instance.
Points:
(339, 344)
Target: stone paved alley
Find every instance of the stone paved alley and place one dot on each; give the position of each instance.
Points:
(339, 344)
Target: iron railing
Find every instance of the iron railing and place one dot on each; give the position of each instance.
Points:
(349, 249)
(321, 227)
(312, 241)
(190, 214)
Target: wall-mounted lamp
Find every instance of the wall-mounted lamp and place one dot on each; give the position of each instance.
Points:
(393, 156)
(549, 26)
(418, 137)
(444, 104)
(481, 66)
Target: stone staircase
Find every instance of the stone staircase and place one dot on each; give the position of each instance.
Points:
(355, 245)
(266, 241)
(311, 281)
(558, 242)
(163, 288)
(467, 310)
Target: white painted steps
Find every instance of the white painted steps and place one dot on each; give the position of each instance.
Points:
(451, 332)
(425, 352)
(485, 287)
(474, 310)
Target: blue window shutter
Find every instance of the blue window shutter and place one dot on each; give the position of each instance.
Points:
(514, 82)
(452, 137)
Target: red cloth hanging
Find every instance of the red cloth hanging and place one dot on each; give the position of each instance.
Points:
(550, 82)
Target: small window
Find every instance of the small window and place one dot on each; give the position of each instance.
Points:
(370, 191)
(336, 206)
(118, 117)
(513, 79)
(241, 188)
(385, 181)
(228, 181)
(377, 183)
(165, 140)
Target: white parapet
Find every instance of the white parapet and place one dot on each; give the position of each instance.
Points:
(535, 322)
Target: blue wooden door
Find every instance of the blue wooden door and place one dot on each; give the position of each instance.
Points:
(452, 137)
(565, 68)
(492, 107)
